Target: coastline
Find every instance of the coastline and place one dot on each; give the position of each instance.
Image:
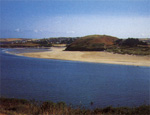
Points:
(88, 56)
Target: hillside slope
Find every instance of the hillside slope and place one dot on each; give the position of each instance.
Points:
(92, 43)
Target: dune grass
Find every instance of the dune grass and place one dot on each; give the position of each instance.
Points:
(130, 50)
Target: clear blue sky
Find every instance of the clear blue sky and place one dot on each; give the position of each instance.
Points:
(55, 18)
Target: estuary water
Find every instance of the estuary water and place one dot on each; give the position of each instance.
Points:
(76, 83)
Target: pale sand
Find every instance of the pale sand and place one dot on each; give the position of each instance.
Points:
(95, 56)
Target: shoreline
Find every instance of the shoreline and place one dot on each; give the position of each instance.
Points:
(88, 56)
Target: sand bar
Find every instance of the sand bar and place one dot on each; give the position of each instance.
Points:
(94, 56)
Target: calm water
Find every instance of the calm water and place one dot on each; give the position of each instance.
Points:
(74, 82)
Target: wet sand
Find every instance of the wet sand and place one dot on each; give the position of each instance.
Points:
(94, 56)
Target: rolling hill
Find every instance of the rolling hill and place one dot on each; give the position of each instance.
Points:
(92, 43)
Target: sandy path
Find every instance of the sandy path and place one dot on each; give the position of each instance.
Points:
(96, 57)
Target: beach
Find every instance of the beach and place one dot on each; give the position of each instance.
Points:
(90, 56)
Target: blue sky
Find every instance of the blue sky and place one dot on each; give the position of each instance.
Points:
(56, 18)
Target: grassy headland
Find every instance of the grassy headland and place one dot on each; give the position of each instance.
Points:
(110, 44)
(12, 106)
(92, 43)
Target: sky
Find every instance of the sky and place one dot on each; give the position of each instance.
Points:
(74, 18)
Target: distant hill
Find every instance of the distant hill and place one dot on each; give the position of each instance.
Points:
(92, 43)
(12, 39)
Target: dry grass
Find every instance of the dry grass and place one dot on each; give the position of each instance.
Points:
(13, 106)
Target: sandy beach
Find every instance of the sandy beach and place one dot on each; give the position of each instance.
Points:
(95, 57)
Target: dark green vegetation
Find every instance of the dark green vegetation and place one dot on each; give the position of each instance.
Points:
(130, 46)
(110, 44)
(11, 106)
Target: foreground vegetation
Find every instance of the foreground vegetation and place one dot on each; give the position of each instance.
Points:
(13, 106)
